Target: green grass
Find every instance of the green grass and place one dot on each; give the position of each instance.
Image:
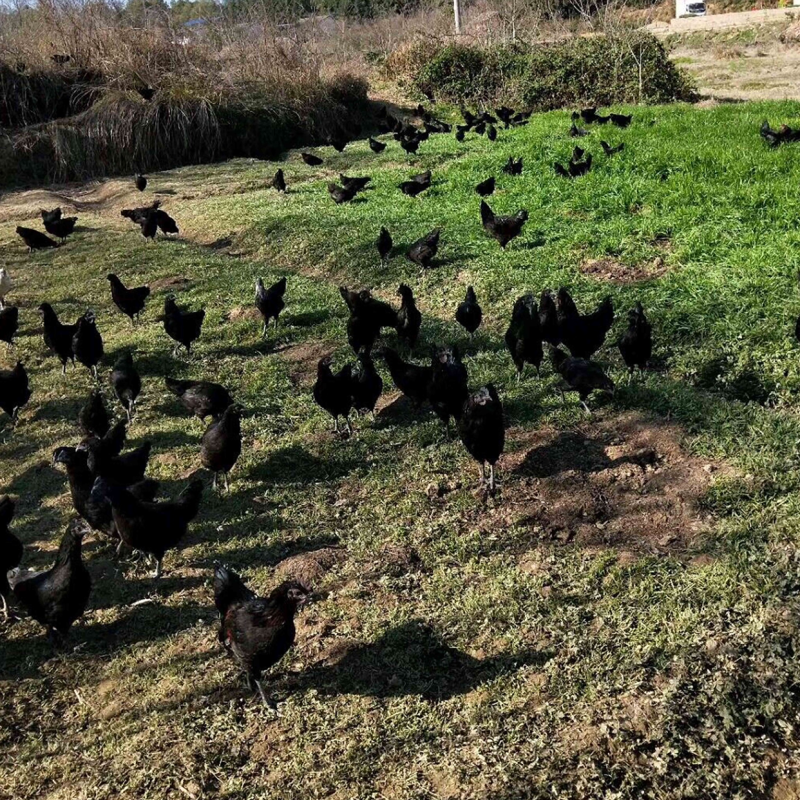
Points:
(506, 663)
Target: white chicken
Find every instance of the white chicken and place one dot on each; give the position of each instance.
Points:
(6, 285)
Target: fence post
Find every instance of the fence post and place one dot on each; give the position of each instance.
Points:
(457, 15)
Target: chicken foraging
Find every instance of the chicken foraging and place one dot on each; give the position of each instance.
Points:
(10, 550)
(409, 320)
(93, 417)
(126, 383)
(583, 335)
(87, 343)
(61, 228)
(524, 335)
(129, 301)
(279, 181)
(57, 336)
(9, 324)
(311, 159)
(580, 375)
(424, 250)
(411, 379)
(503, 229)
(367, 384)
(447, 390)
(141, 182)
(384, 244)
(35, 240)
(183, 327)
(485, 188)
(14, 390)
(636, 344)
(201, 398)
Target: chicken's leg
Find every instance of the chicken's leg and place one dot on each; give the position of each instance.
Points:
(158, 569)
(225, 478)
(491, 477)
(268, 702)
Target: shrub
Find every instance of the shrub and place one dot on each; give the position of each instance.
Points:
(599, 70)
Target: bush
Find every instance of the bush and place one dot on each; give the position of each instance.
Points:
(596, 70)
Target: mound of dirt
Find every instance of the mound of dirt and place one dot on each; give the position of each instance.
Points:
(303, 359)
(606, 269)
(625, 482)
(310, 568)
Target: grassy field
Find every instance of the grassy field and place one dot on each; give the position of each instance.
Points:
(621, 620)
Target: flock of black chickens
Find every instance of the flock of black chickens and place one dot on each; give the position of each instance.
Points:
(108, 486)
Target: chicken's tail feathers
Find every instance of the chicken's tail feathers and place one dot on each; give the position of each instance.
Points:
(174, 386)
(228, 588)
(487, 215)
(190, 499)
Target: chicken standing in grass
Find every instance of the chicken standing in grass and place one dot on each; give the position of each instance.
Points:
(221, 444)
(58, 597)
(183, 327)
(129, 301)
(636, 344)
(513, 166)
(93, 419)
(384, 245)
(151, 527)
(342, 194)
(485, 188)
(57, 336)
(524, 335)
(61, 228)
(279, 181)
(367, 384)
(412, 380)
(200, 398)
(6, 285)
(503, 229)
(14, 390)
(87, 343)
(35, 240)
(270, 302)
(141, 182)
(257, 632)
(409, 319)
(333, 392)
(126, 383)
(9, 324)
(482, 430)
(376, 146)
(165, 223)
(580, 375)
(50, 216)
(424, 250)
(105, 459)
(583, 334)
(311, 159)
(548, 319)
(469, 314)
(10, 550)
(447, 390)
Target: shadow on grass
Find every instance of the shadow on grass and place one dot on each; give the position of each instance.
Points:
(410, 659)
(294, 464)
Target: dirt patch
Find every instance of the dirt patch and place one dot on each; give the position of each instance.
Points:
(625, 482)
(310, 568)
(243, 312)
(303, 359)
(606, 269)
(169, 283)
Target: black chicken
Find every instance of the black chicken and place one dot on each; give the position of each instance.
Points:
(10, 550)
(201, 398)
(609, 150)
(339, 143)
(256, 631)
(151, 527)
(141, 182)
(311, 159)
(126, 383)
(50, 216)
(576, 132)
(14, 390)
(583, 335)
(376, 146)
(58, 597)
(146, 93)
(482, 430)
(355, 182)
(333, 392)
(578, 168)
(183, 327)
(384, 244)
(105, 460)
(636, 344)
(524, 335)
(548, 319)
(580, 375)
(164, 222)
(35, 240)
(504, 229)
(96, 511)
(221, 444)
(621, 120)
(411, 145)
(491, 132)
(57, 336)
(87, 343)
(139, 215)
(469, 314)
(61, 228)
(447, 390)
(279, 181)
(367, 384)
(424, 250)
(341, 194)
(270, 302)
(485, 188)
(411, 379)
(409, 320)
(9, 324)
(513, 166)
(93, 417)
(129, 301)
